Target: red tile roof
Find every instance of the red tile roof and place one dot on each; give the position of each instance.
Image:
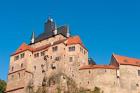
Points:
(74, 40)
(126, 60)
(98, 67)
(22, 48)
(69, 41)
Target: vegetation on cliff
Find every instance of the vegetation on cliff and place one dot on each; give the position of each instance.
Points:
(60, 83)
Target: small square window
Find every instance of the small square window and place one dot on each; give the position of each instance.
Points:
(16, 57)
(22, 55)
(70, 59)
(54, 48)
(43, 53)
(72, 48)
(57, 59)
(36, 55)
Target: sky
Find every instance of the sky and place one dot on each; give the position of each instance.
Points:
(105, 26)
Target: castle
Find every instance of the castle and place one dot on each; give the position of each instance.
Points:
(55, 52)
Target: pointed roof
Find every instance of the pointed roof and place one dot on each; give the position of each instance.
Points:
(23, 48)
(32, 37)
(123, 60)
(49, 27)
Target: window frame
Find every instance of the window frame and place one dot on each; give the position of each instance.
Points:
(55, 48)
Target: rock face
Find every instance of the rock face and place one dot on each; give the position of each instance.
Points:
(59, 83)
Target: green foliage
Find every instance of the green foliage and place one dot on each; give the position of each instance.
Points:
(2, 86)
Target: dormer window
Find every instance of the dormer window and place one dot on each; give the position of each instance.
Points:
(16, 58)
(72, 48)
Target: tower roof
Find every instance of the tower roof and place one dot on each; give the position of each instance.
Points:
(49, 27)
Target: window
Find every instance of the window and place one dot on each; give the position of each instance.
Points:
(57, 59)
(22, 55)
(16, 57)
(19, 75)
(12, 68)
(43, 53)
(34, 67)
(72, 48)
(84, 52)
(22, 65)
(138, 72)
(89, 72)
(81, 49)
(12, 77)
(70, 59)
(42, 66)
(54, 48)
(36, 55)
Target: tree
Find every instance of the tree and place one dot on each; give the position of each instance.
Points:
(2, 86)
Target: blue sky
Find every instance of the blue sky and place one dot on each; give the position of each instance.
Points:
(105, 26)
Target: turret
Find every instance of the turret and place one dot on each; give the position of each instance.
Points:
(68, 33)
(33, 38)
(55, 30)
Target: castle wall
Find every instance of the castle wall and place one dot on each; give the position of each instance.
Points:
(19, 72)
(102, 78)
(129, 78)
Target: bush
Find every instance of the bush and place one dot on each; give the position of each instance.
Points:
(2, 86)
